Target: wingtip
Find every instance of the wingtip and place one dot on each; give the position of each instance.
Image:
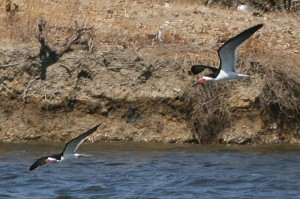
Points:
(32, 168)
(255, 27)
(258, 26)
(97, 125)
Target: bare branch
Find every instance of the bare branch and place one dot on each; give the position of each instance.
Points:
(76, 35)
(49, 55)
(24, 94)
(7, 65)
(45, 48)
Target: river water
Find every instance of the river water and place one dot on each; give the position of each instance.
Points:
(143, 170)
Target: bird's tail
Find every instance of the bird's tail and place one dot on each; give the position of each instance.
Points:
(242, 75)
(77, 155)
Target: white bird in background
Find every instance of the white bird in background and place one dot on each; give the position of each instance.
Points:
(228, 59)
(244, 8)
(159, 33)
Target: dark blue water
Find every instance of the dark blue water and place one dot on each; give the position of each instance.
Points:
(126, 170)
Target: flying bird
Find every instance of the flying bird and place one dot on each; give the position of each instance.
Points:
(68, 152)
(228, 59)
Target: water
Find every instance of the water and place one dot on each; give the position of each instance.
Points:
(127, 170)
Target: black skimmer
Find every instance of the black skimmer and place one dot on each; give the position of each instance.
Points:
(68, 152)
(228, 59)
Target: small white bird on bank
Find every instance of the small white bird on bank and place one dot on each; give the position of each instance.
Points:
(159, 34)
(228, 59)
(244, 8)
(68, 152)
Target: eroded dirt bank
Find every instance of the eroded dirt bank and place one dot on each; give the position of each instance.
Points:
(145, 96)
(139, 87)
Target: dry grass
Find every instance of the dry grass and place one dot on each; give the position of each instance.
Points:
(134, 24)
(278, 76)
(210, 113)
(280, 99)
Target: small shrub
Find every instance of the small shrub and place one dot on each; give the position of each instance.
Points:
(210, 113)
(280, 99)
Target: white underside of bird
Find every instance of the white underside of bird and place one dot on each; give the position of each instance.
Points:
(225, 75)
(228, 59)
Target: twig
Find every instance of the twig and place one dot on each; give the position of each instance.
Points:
(24, 94)
(67, 69)
(77, 34)
(7, 65)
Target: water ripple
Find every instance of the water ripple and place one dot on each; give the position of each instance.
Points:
(187, 171)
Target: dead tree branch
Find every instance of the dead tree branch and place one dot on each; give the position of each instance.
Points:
(49, 55)
(45, 48)
(76, 35)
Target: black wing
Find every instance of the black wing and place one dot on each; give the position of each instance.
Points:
(38, 163)
(196, 69)
(42, 161)
(228, 51)
(72, 146)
